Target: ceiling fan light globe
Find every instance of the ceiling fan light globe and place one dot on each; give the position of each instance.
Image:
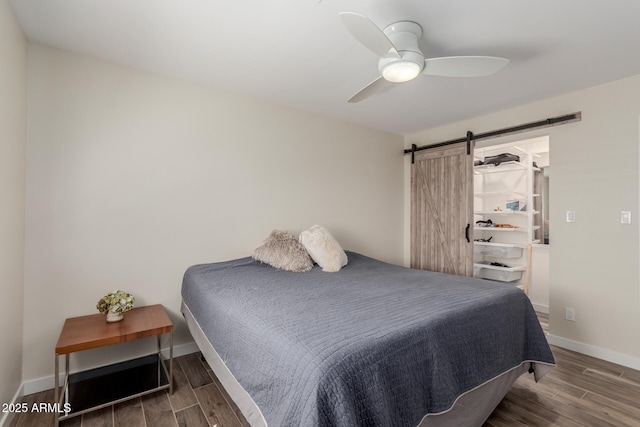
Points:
(401, 71)
(398, 70)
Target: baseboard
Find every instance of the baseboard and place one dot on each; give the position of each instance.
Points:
(597, 352)
(7, 417)
(46, 383)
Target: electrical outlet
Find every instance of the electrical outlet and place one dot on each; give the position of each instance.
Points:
(570, 314)
(571, 216)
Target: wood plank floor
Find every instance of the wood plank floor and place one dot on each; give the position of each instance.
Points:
(580, 391)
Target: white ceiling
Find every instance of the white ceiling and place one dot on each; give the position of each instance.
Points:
(298, 53)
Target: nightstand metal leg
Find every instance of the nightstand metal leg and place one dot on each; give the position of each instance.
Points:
(65, 383)
(55, 380)
(171, 362)
(60, 391)
(159, 359)
(56, 391)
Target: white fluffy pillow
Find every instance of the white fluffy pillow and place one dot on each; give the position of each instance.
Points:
(282, 250)
(324, 248)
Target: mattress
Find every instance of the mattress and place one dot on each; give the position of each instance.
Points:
(372, 345)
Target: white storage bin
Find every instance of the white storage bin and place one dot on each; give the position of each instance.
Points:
(501, 250)
(500, 275)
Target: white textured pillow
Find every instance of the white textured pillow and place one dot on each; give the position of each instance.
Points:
(282, 250)
(324, 248)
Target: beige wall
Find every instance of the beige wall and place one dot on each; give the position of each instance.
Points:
(133, 177)
(594, 264)
(539, 280)
(13, 126)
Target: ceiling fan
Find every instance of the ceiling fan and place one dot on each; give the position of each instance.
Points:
(401, 59)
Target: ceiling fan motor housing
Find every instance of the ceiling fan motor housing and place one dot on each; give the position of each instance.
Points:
(404, 35)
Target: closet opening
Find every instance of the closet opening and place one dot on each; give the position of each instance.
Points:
(503, 173)
(511, 211)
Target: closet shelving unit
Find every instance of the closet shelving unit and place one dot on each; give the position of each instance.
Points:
(494, 188)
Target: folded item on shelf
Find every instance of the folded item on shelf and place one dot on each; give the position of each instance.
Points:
(501, 158)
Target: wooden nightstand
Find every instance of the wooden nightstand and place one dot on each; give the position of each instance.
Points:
(100, 387)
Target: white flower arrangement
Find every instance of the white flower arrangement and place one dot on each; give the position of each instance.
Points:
(116, 302)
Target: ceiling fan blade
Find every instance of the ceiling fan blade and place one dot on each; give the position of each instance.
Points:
(464, 66)
(368, 33)
(379, 85)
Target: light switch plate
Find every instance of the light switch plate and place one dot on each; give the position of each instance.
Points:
(625, 217)
(571, 216)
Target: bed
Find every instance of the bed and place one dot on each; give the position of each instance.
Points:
(374, 344)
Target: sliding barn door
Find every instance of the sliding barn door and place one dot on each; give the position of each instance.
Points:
(442, 210)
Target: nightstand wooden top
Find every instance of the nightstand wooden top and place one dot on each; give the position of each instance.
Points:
(86, 332)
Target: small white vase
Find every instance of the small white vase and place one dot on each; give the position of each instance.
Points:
(114, 317)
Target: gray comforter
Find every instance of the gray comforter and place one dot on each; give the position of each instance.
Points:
(372, 345)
